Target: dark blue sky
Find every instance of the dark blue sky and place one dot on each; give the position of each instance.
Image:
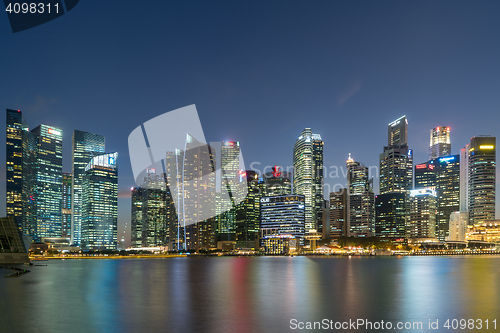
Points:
(259, 72)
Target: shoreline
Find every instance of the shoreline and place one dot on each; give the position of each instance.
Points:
(34, 259)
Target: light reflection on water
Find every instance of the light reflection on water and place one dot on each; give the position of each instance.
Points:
(242, 294)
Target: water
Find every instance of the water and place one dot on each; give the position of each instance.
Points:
(233, 294)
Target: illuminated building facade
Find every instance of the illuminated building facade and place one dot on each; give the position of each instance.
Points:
(280, 244)
(459, 222)
(248, 214)
(282, 215)
(136, 218)
(48, 182)
(440, 144)
(448, 192)
(149, 211)
(425, 175)
(488, 231)
(231, 176)
(67, 180)
(423, 211)
(16, 125)
(338, 213)
(396, 162)
(390, 218)
(464, 178)
(443, 175)
(308, 176)
(100, 203)
(277, 182)
(482, 177)
(360, 201)
(192, 188)
(84, 146)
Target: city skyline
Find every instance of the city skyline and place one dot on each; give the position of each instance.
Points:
(126, 218)
(318, 77)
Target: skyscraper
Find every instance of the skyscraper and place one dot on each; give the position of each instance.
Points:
(192, 186)
(338, 213)
(360, 201)
(308, 176)
(423, 210)
(398, 132)
(396, 162)
(281, 216)
(277, 182)
(231, 176)
(66, 204)
(425, 175)
(85, 146)
(390, 219)
(464, 178)
(48, 182)
(482, 176)
(16, 125)
(100, 203)
(154, 216)
(448, 192)
(248, 213)
(442, 175)
(440, 144)
(136, 218)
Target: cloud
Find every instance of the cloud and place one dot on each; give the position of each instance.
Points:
(345, 95)
(41, 103)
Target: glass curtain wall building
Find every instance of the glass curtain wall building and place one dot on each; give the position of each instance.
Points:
(84, 146)
(48, 182)
(66, 204)
(308, 176)
(100, 203)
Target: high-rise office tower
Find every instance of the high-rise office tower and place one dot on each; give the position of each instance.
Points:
(248, 213)
(319, 204)
(100, 203)
(448, 192)
(308, 176)
(154, 215)
(85, 146)
(136, 218)
(423, 211)
(398, 132)
(464, 178)
(482, 176)
(48, 181)
(338, 213)
(16, 125)
(425, 175)
(396, 162)
(67, 180)
(278, 182)
(231, 176)
(282, 216)
(360, 200)
(440, 144)
(442, 175)
(30, 155)
(390, 219)
(192, 187)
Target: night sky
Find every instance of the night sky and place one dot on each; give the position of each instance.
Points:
(259, 72)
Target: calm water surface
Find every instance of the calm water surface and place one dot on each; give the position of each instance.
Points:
(232, 294)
